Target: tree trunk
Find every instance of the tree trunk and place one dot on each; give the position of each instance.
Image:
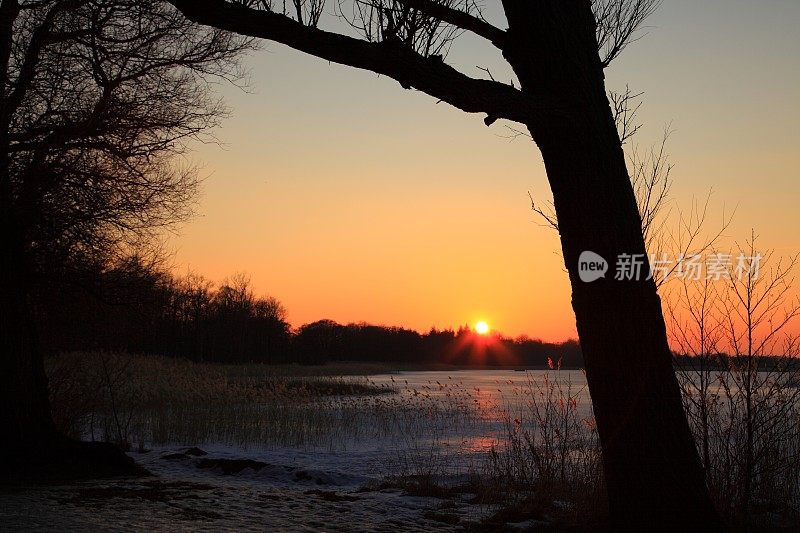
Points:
(25, 408)
(653, 472)
(34, 449)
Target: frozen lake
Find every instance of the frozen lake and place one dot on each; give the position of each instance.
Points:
(493, 388)
(443, 421)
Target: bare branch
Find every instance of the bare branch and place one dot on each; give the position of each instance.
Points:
(429, 75)
(100, 100)
(625, 107)
(460, 19)
(548, 214)
(618, 22)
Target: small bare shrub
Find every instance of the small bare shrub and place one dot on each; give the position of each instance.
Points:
(550, 451)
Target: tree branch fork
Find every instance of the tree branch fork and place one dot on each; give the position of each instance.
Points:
(430, 75)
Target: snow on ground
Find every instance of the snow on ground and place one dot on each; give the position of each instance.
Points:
(281, 489)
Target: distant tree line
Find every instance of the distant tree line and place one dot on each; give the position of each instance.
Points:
(326, 340)
(136, 306)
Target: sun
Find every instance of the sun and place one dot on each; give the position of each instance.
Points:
(482, 328)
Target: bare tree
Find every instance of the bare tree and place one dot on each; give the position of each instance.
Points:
(763, 395)
(98, 101)
(557, 50)
(697, 335)
(739, 371)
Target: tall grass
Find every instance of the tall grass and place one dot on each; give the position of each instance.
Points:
(549, 455)
(155, 400)
(144, 400)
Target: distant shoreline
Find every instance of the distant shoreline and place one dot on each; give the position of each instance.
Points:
(359, 368)
(367, 368)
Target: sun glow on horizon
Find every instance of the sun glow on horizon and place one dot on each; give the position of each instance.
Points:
(482, 328)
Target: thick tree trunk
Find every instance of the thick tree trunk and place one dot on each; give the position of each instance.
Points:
(33, 448)
(25, 411)
(653, 472)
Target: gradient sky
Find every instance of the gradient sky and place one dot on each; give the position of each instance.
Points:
(349, 198)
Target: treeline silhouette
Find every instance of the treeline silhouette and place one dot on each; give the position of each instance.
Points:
(135, 307)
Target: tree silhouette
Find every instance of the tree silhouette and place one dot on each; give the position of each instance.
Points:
(98, 98)
(558, 50)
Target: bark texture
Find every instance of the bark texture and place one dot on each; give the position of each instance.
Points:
(653, 473)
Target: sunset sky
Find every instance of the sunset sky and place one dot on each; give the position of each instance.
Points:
(349, 198)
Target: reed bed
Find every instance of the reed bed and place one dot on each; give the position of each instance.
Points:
(144, 400)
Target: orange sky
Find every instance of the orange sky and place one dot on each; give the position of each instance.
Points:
(349, 198)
